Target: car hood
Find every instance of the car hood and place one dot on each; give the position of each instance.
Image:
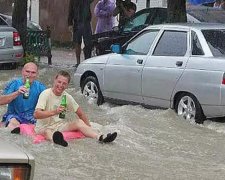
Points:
(97, 59)
(10, 153)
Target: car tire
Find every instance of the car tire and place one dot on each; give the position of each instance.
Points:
(90, 89)
(188, 107)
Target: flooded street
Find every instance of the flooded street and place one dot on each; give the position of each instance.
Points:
(151, 144)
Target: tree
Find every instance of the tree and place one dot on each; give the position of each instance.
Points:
(176, 10)
(19, 18)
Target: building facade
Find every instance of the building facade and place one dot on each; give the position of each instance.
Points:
(141, 4)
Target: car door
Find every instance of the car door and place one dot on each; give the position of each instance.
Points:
(164, 67)
(123, 72)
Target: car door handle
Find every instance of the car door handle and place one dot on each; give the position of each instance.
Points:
(179, 63)
(140, 61)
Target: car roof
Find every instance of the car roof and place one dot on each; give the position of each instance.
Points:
(199, 26)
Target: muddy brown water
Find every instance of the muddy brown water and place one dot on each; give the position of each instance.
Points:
(151, 144)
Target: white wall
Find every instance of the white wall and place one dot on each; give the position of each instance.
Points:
(32, 10)
(158, 3)
(141, 4)
(35, 11)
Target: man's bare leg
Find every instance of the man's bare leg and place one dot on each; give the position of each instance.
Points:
(82, 127)
(78, 52)
(13, 123)
(47, 133)
(14, 126)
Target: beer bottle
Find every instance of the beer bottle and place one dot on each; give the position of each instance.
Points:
(62, 115)
(27, 86)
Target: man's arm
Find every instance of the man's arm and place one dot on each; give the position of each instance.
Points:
(6, 99)
(42, 114)
(82, 116)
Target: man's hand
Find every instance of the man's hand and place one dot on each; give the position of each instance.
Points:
(60, 109)
(21, 90)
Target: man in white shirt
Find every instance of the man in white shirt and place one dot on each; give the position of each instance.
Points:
(48, 109)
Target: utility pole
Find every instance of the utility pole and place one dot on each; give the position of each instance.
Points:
(19, 18)
(147, 3)
(176, 10)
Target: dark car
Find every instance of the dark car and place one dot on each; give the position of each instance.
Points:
(149, 16)
(121, 34)
(7, 20)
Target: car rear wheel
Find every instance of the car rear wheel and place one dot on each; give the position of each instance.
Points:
(90, 89)
(189, 108)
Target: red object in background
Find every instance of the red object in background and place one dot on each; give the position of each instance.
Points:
(16, 39)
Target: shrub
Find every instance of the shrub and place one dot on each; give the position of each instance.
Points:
(28, 57)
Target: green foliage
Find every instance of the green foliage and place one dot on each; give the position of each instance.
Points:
(28, 57)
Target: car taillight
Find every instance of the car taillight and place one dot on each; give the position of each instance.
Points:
(223, 80)
(15, 171)
(16, 39)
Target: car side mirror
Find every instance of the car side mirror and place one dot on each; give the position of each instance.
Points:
(116, 48)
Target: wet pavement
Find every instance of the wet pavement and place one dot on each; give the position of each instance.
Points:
(65, 57)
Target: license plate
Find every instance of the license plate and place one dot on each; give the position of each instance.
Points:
(2, 41)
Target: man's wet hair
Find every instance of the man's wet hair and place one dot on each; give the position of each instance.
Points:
(64, 74)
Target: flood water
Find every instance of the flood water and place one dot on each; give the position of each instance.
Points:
(151, 144)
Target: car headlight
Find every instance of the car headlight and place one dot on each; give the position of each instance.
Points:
(15, 172)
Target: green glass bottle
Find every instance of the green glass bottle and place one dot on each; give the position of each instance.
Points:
(27, 86)
(62, 115)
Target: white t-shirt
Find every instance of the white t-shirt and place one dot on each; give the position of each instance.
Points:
(49, 101)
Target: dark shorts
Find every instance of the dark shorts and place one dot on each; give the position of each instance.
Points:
(22, 118)
(82, 30)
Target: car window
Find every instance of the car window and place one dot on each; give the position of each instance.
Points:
(2, 22)
(142, 43)
(172, 43)
(136, 22)
(216, 41)
(196, 47)
(7, 19)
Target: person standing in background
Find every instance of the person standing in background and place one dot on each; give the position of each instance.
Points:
(79, 22)
(217, 4)
(222, 4)
(125, 9)
(104, 12)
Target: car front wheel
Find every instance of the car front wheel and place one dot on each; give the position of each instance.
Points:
(90, 89)
(189, 108)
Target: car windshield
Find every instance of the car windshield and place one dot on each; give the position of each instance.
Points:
(216, 41)
(135, 22)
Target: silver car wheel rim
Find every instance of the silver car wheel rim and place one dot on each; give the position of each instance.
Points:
(186, 108)
(90, 90)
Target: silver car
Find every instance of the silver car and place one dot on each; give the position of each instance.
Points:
(178, 66)
(7, 20)
(11, 50)
(15, 163)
